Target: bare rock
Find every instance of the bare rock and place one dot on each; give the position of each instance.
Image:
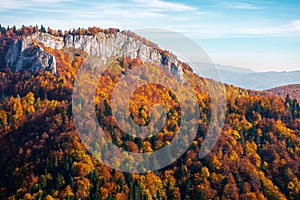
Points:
(22, 54)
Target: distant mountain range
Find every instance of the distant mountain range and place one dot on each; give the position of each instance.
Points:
(249, 79)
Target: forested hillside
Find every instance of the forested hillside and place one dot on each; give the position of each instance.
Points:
(42, 157)
(293, 91)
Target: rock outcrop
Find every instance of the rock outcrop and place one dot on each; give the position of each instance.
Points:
(24, 55)
(102, 45)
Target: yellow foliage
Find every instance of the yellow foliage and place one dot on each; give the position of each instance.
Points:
(28, 196)
(205, 172)
(17, 108)
(294, 188)
(250, 147)
(169, 178)
(49, 197)
(83, 186)
(261, 197)
(28, 102)
(236, 134)
(3, 118)
(68, 192)
(150, 183)
(257, 159)
(35, 195)
(216, 163)
(233, 156)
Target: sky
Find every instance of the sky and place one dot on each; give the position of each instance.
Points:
(262, 35)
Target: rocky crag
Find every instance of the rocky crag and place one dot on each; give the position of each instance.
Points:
(26, 53)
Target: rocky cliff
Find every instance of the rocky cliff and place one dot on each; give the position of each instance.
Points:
(25, 54)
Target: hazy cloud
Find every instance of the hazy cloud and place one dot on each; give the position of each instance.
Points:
(290, 29)
(243, 5)
(21, 4)
(166, 6)
(294, 25)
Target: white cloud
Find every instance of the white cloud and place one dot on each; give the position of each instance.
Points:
(129, 14)
(294, 25)
(51, 1)
(246, 6)
(240, 5)
(164, 5)
(290, 29)
(123, 14)
(12, 4)
(19, 4)
(133, 14)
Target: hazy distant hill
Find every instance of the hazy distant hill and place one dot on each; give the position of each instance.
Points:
(249, 79)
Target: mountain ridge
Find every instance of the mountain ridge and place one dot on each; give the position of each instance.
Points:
(101, 44)
(249, 79)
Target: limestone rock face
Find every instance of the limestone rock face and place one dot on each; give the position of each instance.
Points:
(24, 55)
(118, 44)
(22, 52)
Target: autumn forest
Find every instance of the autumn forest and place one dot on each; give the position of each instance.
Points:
(42, 157)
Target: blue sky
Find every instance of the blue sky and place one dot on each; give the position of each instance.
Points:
(262, 35)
